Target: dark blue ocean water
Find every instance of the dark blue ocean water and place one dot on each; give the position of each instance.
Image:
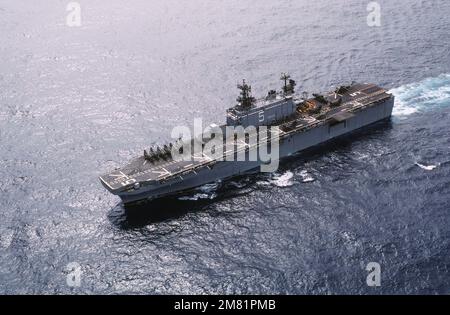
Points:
(75, 102)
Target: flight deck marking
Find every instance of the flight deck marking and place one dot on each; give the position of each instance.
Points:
(162, 173)
(119, 175)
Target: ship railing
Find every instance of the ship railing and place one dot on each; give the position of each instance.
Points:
(209, 162)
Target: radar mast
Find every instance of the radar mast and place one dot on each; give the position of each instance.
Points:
(245, 98)
(288, 88)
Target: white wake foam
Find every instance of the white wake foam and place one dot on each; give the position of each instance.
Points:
(419, 96)
(284, 180)
(198, 196)
(306, 177)
(207, 191)
(426, 167)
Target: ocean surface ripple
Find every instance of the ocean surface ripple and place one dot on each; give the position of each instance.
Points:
(77, 102)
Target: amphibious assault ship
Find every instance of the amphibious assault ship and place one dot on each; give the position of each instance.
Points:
(301, 122)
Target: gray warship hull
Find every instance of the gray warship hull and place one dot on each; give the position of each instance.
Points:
(138, 182)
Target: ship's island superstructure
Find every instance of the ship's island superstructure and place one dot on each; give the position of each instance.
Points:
(302, 122)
